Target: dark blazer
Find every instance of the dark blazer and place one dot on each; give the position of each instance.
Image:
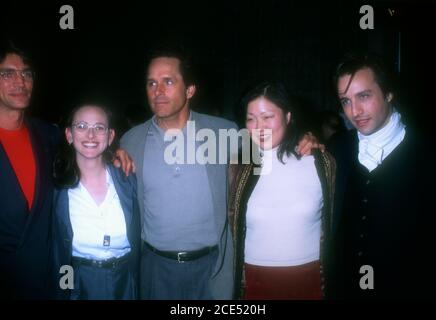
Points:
(63, 232)
(24, 233)
(383, 219)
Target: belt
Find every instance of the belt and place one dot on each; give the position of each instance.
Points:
(182, 256)
(108, 263)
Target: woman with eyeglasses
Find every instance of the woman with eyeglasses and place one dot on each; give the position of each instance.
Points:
(96, 227)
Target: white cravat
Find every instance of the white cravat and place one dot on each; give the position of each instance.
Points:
(374, 148)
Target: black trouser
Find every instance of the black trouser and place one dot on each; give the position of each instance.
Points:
(93, 282)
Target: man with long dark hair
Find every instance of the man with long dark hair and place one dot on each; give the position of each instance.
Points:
(27, 147)
(382, 223)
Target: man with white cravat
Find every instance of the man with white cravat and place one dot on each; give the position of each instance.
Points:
(381, 223)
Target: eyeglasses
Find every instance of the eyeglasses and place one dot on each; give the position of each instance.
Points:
(83, 127)
(11, 74)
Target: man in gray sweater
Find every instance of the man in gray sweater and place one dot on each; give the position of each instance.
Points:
(187, 248)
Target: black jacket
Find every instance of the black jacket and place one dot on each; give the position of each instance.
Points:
(383, 219)
(24, 234)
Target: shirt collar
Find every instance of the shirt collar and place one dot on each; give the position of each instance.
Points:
(109, 180)
(154, 122)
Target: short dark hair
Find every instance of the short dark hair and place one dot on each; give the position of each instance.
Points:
(65, 169)
(180, 53)
(275, 92)
(353, 62)
(9, 47)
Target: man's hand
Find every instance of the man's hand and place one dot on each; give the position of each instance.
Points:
(307, 143)
(123, 160)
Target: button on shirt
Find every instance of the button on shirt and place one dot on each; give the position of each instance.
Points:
(178, 201)
(93, 224)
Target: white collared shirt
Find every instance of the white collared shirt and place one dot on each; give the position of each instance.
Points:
(99, 231)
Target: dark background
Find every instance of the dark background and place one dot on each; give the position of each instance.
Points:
(234, 43)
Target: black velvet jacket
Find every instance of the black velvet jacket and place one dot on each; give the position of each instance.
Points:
(383, 219)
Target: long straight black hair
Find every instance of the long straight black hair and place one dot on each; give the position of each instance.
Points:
(275, 92)
(66, 171)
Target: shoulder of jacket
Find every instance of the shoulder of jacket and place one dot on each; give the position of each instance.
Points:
(135, 131)
(214, 121)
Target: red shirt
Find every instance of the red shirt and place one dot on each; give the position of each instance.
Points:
(19, 151)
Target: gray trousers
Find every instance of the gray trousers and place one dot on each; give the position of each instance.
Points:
(166, 279)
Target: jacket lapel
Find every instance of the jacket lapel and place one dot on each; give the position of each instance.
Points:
(138, 157)
(42, 174)
(214, 172)
(62, 211)
(124, 194)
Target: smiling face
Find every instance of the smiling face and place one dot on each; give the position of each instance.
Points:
(89, 143)
(363, 101)
(263, 114)
(15, 92)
